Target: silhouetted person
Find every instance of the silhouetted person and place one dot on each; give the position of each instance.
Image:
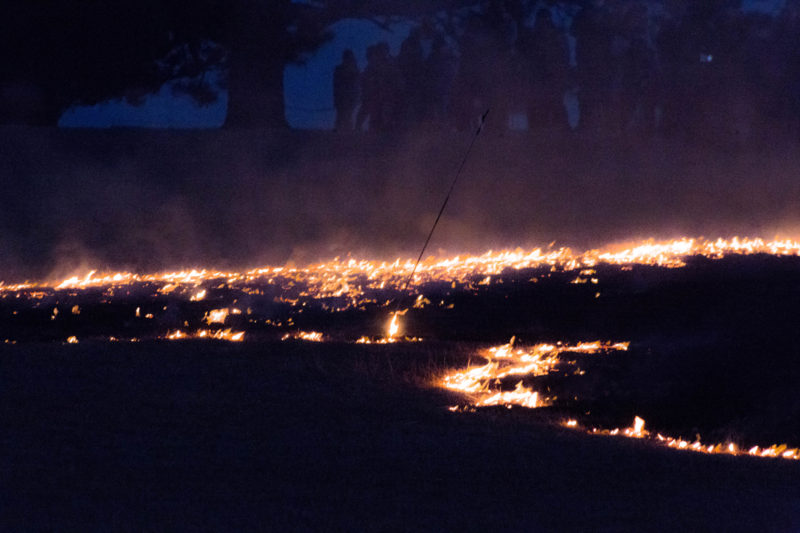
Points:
(440, 74)
(411, 64)
(637, 74)
(689, 49)
(676, 56)
(370, 93)
(482, 75)
(345, 90)
(546, 50)
(784, 69)
(381, 85)
(594, 64)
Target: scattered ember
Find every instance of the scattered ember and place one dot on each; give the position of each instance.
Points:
(223, 334)
(216, 316)
(729, 448)
(311, 336)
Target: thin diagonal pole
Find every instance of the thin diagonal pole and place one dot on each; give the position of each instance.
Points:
(446, 199)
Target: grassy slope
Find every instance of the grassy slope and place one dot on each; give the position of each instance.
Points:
(206, 436)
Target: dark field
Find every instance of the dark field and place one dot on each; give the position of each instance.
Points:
(200, 436)
(269, 435)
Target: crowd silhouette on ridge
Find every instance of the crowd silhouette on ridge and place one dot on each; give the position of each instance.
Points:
(619, 67)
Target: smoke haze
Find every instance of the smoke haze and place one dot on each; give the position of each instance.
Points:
(75, 200)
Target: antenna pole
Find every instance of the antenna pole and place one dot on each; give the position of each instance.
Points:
(446, 199)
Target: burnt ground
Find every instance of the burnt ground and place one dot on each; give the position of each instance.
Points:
(207, 437)
(270, 435)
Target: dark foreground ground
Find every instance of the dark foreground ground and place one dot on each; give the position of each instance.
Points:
(206, 436)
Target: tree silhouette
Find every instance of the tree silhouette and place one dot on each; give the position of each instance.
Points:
(88, 52)
(263, 37)
(68, 53)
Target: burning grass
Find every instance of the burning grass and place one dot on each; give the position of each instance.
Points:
(354, 278)
(702, 315)
(484, 385)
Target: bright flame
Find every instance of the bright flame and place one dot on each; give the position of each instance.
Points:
(638, 428)
(351, 278)
(216, 316)
(224, 334)
(310, 336)
(637, 431)
(506, 360)
(394, 327)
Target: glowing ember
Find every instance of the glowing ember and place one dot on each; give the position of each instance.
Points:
(311, 336)
(394, 328)
(386, 340)
(638, 428)
(224, 335)
(216, 316)
(392, 332)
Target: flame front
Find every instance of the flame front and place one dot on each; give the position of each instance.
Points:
(781, 451)
(338, 278)
(339, 285)
(223, 335)
(310, 336)
(505, 360)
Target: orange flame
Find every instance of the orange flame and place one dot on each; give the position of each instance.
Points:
(224, 334)
(539, 360)
(394, 328)
(506, 360)
(311, 336)
(337, 278)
